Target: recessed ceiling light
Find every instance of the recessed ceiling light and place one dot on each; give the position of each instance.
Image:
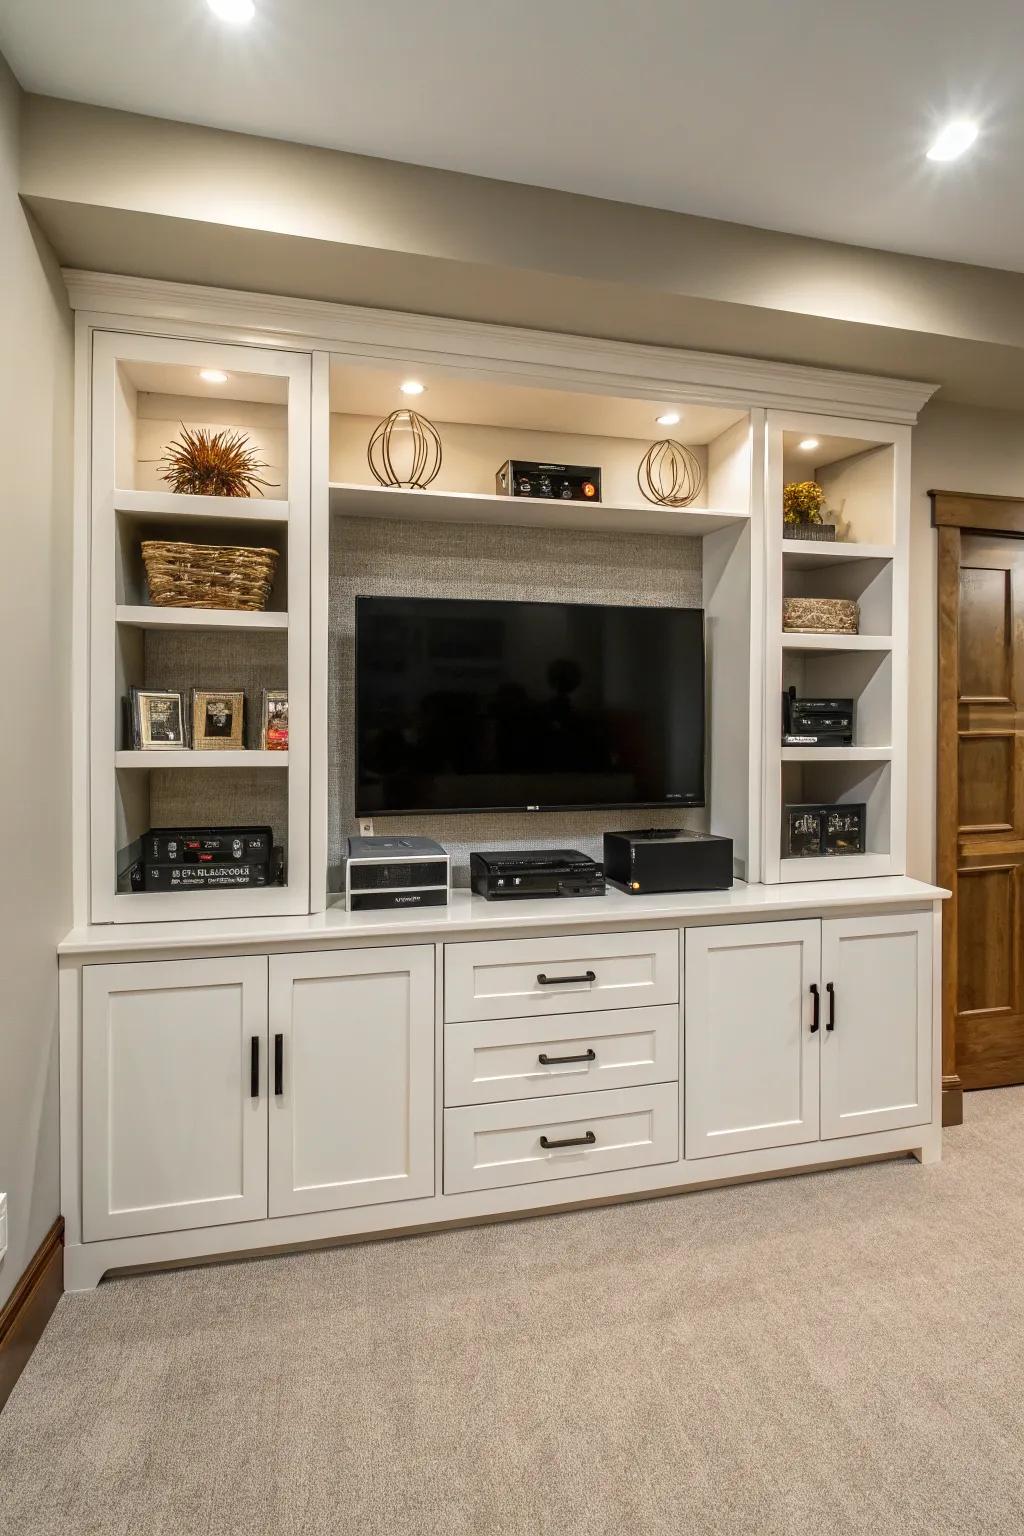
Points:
(412, 387)
(953, 140)
(236, 11)
(809, 443)
(213, 376)
(668, 419)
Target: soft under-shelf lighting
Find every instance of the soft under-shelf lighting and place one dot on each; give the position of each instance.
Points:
(809, 443)
(412, 387)
(668, 419)
(954, 139)
(238, 12)
(213, 376)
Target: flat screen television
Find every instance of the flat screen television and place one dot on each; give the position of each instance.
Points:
(473, 705)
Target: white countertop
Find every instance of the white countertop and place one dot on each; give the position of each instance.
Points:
(468, 916)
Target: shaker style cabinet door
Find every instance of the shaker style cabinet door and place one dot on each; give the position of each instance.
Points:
(751, 1037)
(876, 1032)
(351, 1078)
(174, 1108)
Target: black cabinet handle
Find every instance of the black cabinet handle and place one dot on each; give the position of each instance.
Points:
(279, 1064)
(557, 981)
(556, 1061)
(816, 1021)
(570, 1141)
(254, 1067)
(830, 989)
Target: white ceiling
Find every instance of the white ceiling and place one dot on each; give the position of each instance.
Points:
(810, 116)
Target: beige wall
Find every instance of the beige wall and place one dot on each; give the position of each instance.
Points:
(955, 448)
(35, 594)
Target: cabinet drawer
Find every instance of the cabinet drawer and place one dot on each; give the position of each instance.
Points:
(519, 978)
(491, 1145)
(501, 1059)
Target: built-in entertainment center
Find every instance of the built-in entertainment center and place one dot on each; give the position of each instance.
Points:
(524, 656)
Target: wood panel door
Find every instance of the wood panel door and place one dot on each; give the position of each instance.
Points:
(986, 987)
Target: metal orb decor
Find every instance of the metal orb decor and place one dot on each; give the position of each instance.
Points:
(670, 474)
(405, 450)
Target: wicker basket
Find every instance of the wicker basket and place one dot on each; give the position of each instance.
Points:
(208, 575)
(823, 533)
(821, 615)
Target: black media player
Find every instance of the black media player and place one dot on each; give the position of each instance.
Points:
(535, 872)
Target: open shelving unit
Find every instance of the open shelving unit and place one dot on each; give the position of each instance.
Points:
(144, 389)
(863, 467)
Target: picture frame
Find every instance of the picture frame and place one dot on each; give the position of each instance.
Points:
(158, 720)
(802, 832)
(218, 719)
(274, 720)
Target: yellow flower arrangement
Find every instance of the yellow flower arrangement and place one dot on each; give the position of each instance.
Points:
(802, 501)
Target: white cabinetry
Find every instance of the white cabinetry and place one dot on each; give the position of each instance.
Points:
(352, 1078)
(800, 1031)
(751, 1058)
(876, 1035)
(174, 1110)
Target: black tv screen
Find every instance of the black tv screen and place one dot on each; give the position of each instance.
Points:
(465, 705)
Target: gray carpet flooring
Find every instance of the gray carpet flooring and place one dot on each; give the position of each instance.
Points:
(839, 1352)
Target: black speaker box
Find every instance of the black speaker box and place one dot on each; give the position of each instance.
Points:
(667, 859)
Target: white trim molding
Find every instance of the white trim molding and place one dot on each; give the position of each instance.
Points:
(494, 352)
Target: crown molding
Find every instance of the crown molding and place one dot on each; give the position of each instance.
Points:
(495, 352)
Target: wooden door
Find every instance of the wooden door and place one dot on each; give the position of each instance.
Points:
(751, 1036)
(876, 1023)
(352, 1078)
(174, 1106)
(981, 802)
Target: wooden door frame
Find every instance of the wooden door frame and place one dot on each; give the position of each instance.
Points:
(955, 513)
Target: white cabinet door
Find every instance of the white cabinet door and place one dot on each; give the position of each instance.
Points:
(352, 1078)
(174, 1109)
(751, 1037)
(876, 1035)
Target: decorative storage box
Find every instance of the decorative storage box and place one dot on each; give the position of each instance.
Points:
(821, 615)
(824, 533)
(232, 576)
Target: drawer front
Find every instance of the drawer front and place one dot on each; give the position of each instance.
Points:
(485, 1063)
(520, 978)
(492, 1145)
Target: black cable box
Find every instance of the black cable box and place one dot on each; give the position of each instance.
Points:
(668, 859)
(536, 872)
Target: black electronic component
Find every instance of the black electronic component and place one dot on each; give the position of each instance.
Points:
(816, 722)
(668, 859)
(536, 872)
(556, 482)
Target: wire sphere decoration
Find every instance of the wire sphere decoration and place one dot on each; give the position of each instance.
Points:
(405, 450)
(669, 474)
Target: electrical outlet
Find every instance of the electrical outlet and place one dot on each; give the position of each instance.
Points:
(3, 1226)
(366, 826)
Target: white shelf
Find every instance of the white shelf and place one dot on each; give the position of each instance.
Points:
(836, 754)
(794, 640)
(189, 759)
(812, 555)
(527, 511)
(144, 617)
(847, 866)
(167, 506)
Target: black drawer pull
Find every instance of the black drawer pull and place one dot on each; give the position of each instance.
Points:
(557, 1061)
(816, 1021)
(561, 981)
(570, 1141)
(254, 1067)
(279, 1064)
(830, 989)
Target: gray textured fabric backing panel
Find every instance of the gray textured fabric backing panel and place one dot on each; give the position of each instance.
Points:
(398, 559)
(220, 659)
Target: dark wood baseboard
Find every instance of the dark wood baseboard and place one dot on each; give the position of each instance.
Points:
(30, 1306)
(952, 1101)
